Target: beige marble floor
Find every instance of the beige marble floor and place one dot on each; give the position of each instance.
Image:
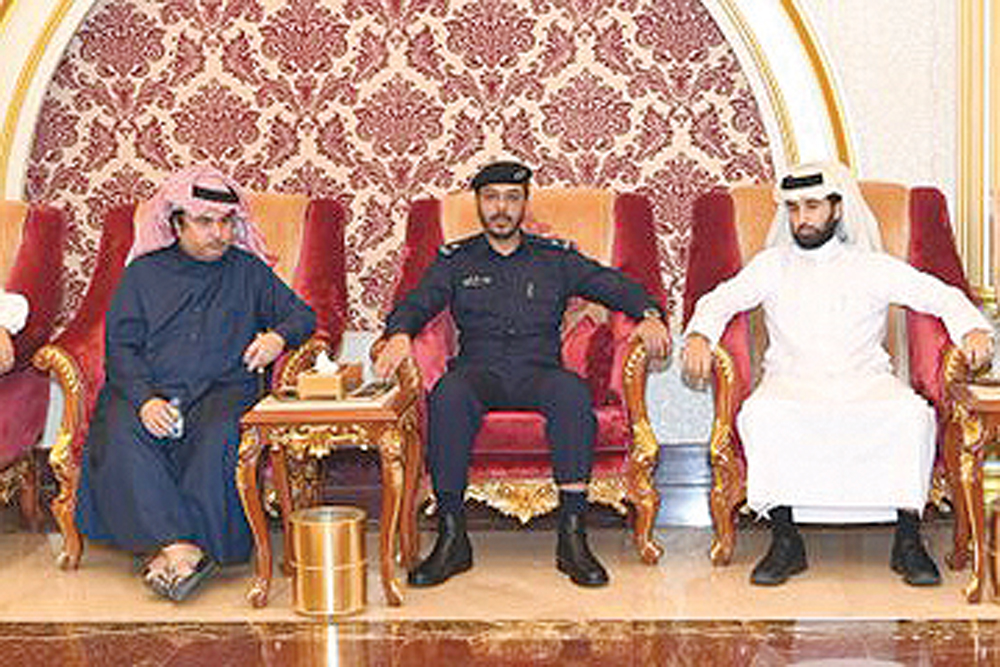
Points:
(514, 578)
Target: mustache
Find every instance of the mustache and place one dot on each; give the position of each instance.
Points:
(500, 216)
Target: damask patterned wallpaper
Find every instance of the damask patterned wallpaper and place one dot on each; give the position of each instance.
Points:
(376, 102)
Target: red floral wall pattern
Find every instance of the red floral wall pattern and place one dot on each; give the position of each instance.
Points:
(376, 102)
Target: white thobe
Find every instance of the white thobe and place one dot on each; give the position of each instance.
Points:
(830, 430)
(13, 311)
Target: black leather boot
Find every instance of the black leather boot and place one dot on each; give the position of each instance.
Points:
(909, 557)
(451, 555)
(787, 554)
(573, 556)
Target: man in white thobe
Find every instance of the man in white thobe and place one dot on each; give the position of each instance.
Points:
(830, 430)
(13, 314)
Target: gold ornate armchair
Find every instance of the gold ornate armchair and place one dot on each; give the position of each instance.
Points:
(728, 228)
(304, 236)
(510, 468)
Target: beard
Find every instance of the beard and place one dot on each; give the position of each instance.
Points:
(810, 238)
(507, 231)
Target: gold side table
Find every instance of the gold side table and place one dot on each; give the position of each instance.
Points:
(314, 428)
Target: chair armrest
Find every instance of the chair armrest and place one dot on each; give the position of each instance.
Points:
(291, 363)
(955, 378)
(634, 371)
(726, 402)
(60, 364)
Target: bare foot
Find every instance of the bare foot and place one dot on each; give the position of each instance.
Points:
(183, 558)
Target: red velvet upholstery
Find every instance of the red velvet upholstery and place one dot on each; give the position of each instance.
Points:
(83, 338)
(77, 357)
(715, 255)
(932, 249)
(24, 393)
(511, 445)
(321, 274)
(24, 396)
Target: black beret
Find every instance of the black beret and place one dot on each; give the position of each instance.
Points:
(501, 172)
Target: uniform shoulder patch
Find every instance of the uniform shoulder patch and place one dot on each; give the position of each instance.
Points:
(558, 243)
(449, 249)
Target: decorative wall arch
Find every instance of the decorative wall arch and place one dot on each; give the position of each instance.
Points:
(800, 123)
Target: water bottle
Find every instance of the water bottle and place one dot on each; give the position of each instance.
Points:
(177, 428)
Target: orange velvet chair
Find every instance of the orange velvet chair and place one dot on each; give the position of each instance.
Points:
(32, 240)
(511, 465)
(306, 238)
(728, 228)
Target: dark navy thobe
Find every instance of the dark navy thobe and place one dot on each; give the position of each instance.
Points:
(177, 328)
(509, 310)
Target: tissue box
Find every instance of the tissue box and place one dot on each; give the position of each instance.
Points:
(336, 386)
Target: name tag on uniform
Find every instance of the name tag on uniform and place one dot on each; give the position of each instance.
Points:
(476, 280)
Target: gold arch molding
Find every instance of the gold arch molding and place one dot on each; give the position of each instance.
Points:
(774, 41)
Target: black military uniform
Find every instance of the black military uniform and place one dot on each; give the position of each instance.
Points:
(509, 309)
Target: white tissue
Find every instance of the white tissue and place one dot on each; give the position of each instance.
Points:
(325, 365)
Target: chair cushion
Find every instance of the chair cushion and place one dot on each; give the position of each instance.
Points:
(24, 396)
(588, 350)
(513, 444)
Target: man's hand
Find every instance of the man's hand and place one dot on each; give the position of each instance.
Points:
(654, 336)
(696, 360)
(6, 351)
(977, 346)
(264, 349)
(157, 416)
(397, 348)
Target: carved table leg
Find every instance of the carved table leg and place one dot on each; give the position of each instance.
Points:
(971, 464)
(409, 536)
(959, 556)
(391, 455)
(993, 556)
(279, 464)
(246, 483)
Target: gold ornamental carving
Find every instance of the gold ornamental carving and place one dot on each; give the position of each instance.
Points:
(299, 360)
(12, 478)
(317, 440)
(54, 360)
(528, 498)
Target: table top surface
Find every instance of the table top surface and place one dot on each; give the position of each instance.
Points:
(986, 396)
(387, 406)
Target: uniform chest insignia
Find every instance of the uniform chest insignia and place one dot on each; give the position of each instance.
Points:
(558, 243)
(476, 280)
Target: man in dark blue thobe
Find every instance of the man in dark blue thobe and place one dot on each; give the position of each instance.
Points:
(507, 291)
(189, 332)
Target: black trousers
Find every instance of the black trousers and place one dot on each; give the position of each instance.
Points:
(463, 395)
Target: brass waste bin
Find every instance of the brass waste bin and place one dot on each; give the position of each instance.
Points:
(328, 558)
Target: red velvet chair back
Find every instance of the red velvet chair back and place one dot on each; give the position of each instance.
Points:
(306, 237)
(32, 242)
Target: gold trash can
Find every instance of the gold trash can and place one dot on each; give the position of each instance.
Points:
(328, 558)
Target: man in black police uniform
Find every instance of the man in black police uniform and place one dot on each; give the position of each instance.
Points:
(507, 291)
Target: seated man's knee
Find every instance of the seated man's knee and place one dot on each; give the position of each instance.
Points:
(450, 392)
(567, 390)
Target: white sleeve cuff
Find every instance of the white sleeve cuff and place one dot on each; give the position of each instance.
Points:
(13, 312)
